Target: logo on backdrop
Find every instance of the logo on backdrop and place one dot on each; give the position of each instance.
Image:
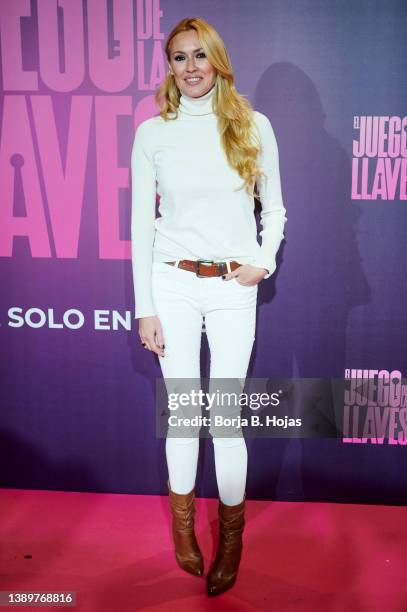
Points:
(379, 163)
(68, 88)
(375, 407)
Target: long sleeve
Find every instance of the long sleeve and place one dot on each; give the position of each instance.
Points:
(142, 223)
(273, 214)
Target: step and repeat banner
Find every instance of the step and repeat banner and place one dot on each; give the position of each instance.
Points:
(77, 390)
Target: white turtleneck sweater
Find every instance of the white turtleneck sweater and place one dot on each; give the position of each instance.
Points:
(202, 214)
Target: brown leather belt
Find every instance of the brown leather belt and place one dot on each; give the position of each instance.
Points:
(204, 267)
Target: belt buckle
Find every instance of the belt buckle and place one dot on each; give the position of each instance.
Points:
(199, 261)
(218, 263)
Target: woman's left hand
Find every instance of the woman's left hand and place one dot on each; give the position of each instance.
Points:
(247, 275)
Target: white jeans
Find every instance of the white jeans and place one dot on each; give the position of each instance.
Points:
(182, 299)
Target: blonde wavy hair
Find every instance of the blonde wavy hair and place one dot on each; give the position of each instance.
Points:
(235, 114)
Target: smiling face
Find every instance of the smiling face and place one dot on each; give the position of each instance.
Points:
(194, 75)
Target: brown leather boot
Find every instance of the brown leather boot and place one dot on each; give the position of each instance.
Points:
(187, 552)
(223, 572)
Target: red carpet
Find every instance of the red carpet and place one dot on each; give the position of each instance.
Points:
(115, 551)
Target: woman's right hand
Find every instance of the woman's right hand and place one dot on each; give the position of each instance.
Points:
(151, 335)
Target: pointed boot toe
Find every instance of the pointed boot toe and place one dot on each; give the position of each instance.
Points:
(217, 587)
(191, 563)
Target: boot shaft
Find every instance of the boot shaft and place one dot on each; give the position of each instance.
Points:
(182, 508)
(231, 521)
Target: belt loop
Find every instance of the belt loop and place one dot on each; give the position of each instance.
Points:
(228, 267)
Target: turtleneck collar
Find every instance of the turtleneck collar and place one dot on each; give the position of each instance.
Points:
(197, 106)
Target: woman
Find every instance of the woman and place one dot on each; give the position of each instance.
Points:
(203, 155)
